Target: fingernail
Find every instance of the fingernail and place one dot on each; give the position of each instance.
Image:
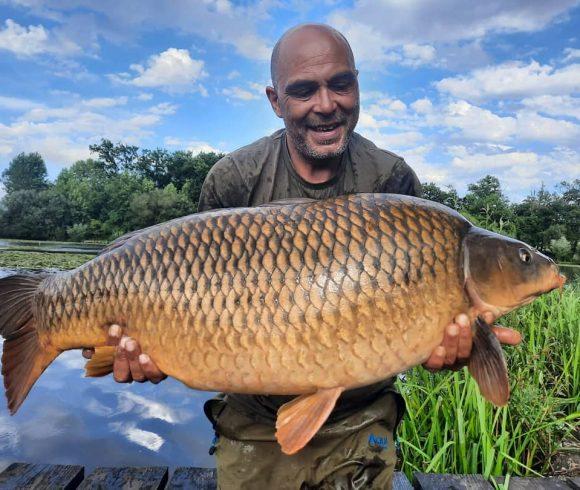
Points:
(115, 330)
(462, 320)
(144, 359)
(453, 330)
(123, 342)
(130, 345)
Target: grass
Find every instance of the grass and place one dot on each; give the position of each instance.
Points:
(41, 260)
(450, 428)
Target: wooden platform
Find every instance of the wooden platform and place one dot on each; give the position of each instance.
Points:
(41, 476)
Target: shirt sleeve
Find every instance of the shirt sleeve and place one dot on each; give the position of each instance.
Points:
(223, 187)
(402, 181)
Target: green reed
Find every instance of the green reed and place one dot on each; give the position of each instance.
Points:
(450, 428)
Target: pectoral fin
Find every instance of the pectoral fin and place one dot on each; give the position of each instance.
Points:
(101, 363)
(487, 365)
(299, 420)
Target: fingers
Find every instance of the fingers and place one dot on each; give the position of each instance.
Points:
(450, 341)
(507, 336)
(150, 369)
(465, 340)
(436, 360)
(115, 332)
(133, 350)
(121, 370)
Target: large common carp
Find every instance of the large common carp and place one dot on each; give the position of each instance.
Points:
(296, 297)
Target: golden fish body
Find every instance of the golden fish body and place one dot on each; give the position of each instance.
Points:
(303, 297)
(277, 299)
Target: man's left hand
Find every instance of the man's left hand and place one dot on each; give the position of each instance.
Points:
(455, 349)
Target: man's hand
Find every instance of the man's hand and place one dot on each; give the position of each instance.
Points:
(454, 351)
(130, 363)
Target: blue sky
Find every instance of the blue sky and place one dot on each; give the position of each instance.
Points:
(459, 88)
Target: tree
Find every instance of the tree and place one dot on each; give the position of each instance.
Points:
(26, 171)
(449, 198)
(486, 202)
(115, 158)
(158, 205)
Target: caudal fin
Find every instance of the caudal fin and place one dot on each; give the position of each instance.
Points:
(23, 358)
(487, 365)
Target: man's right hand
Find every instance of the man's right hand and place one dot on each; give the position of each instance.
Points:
(130, 363)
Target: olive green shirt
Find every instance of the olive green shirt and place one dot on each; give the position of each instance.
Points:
(262, 172)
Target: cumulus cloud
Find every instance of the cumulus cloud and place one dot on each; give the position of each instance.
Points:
(33, 40)
(240, 93)
(194, 146)
(513, 79)
(554, 105)
(173, 70)
(416, 54)
(62, 134)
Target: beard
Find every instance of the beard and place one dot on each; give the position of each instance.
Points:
(298, 134)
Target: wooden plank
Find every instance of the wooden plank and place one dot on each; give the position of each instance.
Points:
(144, 478)
(547, 483)
(431, 481)
(40, 476)
(400, 481)
(193, 479)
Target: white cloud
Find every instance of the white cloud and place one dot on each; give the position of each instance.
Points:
(554, 105)
(34, 40)
(233, 74)
(62, 134)
(172, 70)
(105, 101)
(571, 54)
(144, 96)
(395, 23)
(144, 438)
(477, 123)
(17, 104)
(239, 93)
(193, 146)
(513, 79)
(416, 54)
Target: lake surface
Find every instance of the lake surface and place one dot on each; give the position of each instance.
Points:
(70, 419)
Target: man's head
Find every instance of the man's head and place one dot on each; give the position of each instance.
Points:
(315, 90)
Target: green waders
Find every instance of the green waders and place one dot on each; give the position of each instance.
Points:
(354, 452)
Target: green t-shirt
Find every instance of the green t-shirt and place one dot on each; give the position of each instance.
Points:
(262, 172)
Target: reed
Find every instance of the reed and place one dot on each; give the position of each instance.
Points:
(450, 428)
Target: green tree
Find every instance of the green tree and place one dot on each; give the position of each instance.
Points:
(34, 215)
(449, 197)
(486, 203)
(158, 205)
(114, 158)
(26, 171)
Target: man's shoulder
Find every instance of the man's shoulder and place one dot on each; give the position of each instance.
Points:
(254, 155)
(363, 146)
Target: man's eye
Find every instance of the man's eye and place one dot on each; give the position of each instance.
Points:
(341, 86)
(302, 93)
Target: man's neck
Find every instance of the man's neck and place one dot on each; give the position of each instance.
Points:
(311, 170)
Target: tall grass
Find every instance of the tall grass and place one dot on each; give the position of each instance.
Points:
(450, 428)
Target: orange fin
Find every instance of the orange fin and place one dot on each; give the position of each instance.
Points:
(299, 420)
(487, 365)
(24, 359)
(101, 363)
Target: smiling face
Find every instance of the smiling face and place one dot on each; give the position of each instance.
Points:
(316, 92)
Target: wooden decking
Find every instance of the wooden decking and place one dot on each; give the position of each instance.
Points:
(41, 476)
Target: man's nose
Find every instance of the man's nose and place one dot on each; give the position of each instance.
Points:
(325, 103)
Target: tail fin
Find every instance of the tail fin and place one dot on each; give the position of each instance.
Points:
(23, 358)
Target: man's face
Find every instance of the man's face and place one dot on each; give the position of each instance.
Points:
(317, 94)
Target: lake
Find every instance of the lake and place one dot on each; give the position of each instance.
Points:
(70, 419)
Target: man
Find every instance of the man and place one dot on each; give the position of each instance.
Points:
(318, 155)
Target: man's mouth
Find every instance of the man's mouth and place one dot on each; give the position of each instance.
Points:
(325, 128)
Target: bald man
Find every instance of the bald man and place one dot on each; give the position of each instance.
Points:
(318, 155)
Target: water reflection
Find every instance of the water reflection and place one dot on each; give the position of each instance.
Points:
(70, 419)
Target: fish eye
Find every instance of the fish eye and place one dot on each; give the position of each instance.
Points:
(525, 255)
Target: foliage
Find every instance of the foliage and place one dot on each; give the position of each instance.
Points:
(26, 171)
(450, 428)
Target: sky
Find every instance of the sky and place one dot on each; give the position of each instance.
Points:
(459, 88)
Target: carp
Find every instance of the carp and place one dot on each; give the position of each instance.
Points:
(297, 297)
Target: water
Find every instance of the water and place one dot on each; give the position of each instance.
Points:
(50, 246)
(70, 419)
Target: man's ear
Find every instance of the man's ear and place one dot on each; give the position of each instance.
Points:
(274, 102)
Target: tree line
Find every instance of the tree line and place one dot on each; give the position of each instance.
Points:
(124, 188)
